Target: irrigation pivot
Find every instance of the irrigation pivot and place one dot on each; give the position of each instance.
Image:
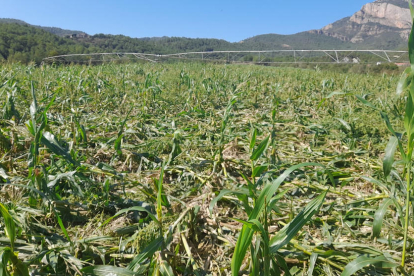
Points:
(261, 57)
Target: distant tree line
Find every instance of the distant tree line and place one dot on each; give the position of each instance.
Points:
(24, 43)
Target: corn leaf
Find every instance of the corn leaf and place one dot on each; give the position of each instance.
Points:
(10, 225)
(284, 236)
(404, 81)
(20, 268)
(3, 175)
(345, 124)
(281, 262)
(246, 234)
(147, 253)
(411, 37)
(384, 116)
(135, 208)
(159, 194)
(53, 259)
(69, 176)
(165, 269)
(270, 189)
(389, 155)
(312, 262)
(259, 228)
(117, 144)
(410, 3)
(49, 140)
(223, 193)
(62, 226)
(82, 132)
(379, 217)
(4, 83)
(365, 102)
(253, 139)
(364, 261)
(260, 149)
(176, 149)
(49, 105)
(409, 112)
(105, 270)
(33, 106)
(257, 171)
(5, 253)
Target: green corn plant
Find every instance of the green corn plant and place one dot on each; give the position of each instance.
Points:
(276, 103)
(265, 251)
(160, 265)
(9, 109)
(35, 131)
(37, 127)
(256, 168)
(407, 82)
(160, 198)
(107, 188)
(176, 149)
(7, 254)
(259, 218)
(82, 137)
(396, 142)
(256, 153)
(219, 152)
(137, 265)
(118, 141)
(51, 254)
(5, 143)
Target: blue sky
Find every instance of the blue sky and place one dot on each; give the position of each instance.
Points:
(229, 20)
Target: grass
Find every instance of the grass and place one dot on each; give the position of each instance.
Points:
(201, 169)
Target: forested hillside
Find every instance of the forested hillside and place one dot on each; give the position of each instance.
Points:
(303, 41)
(25, 43)
(22, 43)
(54, 30)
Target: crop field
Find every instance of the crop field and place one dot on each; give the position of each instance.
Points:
(203, 169)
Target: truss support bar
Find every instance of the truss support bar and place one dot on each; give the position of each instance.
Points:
(385, 53)
(144, 58)
(337, 58)
(326, 53)
(374, 53)
(271, 56)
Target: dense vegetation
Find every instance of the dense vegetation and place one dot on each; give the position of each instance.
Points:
(304, 40)
(53, 30)
(20, 43)
(24, 43)
(151, 167)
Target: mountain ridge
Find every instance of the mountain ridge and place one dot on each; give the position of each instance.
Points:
(376, 20)
(53, 30)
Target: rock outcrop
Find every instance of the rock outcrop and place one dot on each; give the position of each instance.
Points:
(379, 20)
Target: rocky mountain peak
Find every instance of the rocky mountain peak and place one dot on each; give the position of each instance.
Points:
(389, 19)
(383, 13)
